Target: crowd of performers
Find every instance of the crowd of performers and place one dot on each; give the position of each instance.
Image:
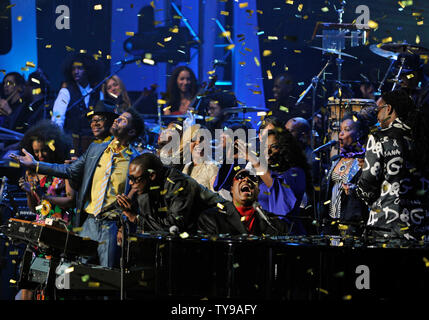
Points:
(81, 163)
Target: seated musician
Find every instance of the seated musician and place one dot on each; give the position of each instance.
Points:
(242, 215)
(201, 167)
(217, 103)
(167, 199)
(12, 105)
(285, 180)
(182, 90)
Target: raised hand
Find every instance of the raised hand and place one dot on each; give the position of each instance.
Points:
(26, 160)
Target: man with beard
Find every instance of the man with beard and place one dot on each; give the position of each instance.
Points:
(101, 120)
(168, 200)
(101, 174)
(243, 214)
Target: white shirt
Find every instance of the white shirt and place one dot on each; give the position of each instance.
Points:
(63, 100)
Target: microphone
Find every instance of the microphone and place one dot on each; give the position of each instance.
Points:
(326, 145)
(127, 61)
(261, 213)
(174, 230)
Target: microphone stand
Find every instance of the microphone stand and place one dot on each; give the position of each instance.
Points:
(122, 66)
(313, 85)
(398, 74)
(123, 261)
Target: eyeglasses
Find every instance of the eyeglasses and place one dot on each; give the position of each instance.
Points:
(246, 174)
(98, 120)
(377, 109)
(135, 179)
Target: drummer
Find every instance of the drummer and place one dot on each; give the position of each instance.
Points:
(218, 102)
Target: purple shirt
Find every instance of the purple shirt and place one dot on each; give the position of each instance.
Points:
(285, 195)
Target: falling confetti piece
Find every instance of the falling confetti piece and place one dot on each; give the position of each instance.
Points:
(184, 235)
(256, 61)
(85, 278)
(129, 33)
(14, 164)
(243, 5)
(51, 145)
(220, 206)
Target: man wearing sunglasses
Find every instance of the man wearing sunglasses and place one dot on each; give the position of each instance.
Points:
(168, 200)
(100, 174)
(243, 215)
(393, 182)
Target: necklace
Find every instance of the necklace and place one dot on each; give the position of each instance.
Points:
(343, 166)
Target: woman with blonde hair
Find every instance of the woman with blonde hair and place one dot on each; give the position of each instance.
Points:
(114, 90)
(197, 156)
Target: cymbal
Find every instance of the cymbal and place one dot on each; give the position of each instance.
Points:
(334, 52)
(404, 48)
(244, 109)
(383, 53)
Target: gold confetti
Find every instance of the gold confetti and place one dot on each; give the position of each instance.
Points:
(184, 235)
(163, 209)
(283, 108)
(93, 284)
(347, 297)
(230, 47)
(266, 53)
(300, 6)
(36, 91)
(30, 64)
(98, 7)
(322, 290)
(51, 145)
(19, 18)
(325, 9)
(169, 180)
(77, 229)
(220, 206)
(388, 39)
(129, 33)
(256, 61)
(13, 253)
(148, 61)
(420, 23)
(154, 187)
(269, 74)
(224, 13)
(14, 164)
(243, 5)
(327, 202)
(289, 1)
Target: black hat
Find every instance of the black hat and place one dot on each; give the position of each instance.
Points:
(103, 107)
